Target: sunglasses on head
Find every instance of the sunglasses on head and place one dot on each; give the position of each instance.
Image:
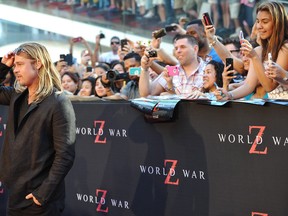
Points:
(18, 50)
(115, 42)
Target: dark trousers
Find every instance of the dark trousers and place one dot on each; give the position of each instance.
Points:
(50, 209)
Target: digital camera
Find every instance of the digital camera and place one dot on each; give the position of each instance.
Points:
(113, 75)
(152, 53)
(102, 35)
(67, 58)
(170, 28)
(160, 33)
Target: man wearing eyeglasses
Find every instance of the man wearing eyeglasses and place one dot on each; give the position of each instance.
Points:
(110, 56)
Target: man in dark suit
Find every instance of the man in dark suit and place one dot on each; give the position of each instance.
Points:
(38, 149)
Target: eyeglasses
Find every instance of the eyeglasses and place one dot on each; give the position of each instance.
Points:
(115, 42)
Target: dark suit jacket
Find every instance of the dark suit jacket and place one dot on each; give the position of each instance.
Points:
(37, 155)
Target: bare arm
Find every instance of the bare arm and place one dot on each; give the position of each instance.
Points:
(221, 49)
(248, 86)
(161, 53)
(95, 56)
(157, 68)
(144, 81)
(156, 88)
(71, 43)
(87, 46)
(276, 72)
(167, 58)
(268, 83)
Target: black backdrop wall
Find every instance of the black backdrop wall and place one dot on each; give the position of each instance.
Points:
(217, 161)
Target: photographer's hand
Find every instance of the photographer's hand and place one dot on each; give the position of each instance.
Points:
(209, 31)
(167, 77)
(180, 28)
(155, 43)
(227, 76)
(139, 48)
(146, 61)
(247, 49)
(127, 48)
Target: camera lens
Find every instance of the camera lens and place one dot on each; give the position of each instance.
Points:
(111, 75)
(152, 53)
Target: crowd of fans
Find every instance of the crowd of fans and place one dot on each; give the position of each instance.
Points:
(229, 16)
(249, 65)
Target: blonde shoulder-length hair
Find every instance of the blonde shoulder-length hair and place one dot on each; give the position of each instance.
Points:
(49, 77)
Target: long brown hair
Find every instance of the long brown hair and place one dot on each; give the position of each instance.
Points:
(280, 28)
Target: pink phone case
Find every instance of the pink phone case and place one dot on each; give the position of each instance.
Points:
(173, 71)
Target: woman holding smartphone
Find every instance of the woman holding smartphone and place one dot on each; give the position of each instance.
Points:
(271, 24)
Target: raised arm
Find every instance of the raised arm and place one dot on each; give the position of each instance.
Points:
(5, 65)
(95, 56)
(221, 49)
(248, 86)
(145, 86)
(144, 81)
(7, 62)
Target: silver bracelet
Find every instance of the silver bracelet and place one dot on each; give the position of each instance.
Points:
(230, 96)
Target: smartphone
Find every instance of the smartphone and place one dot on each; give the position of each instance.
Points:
(229, 61)
(241, 36)
(207, 19)
(102, 35)
(152, 53)
(270, 59)
(88, 69)
(173, 71)
(135, 71)
(77, 39)
(160, 33)
(170, 28)
(123, 43)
